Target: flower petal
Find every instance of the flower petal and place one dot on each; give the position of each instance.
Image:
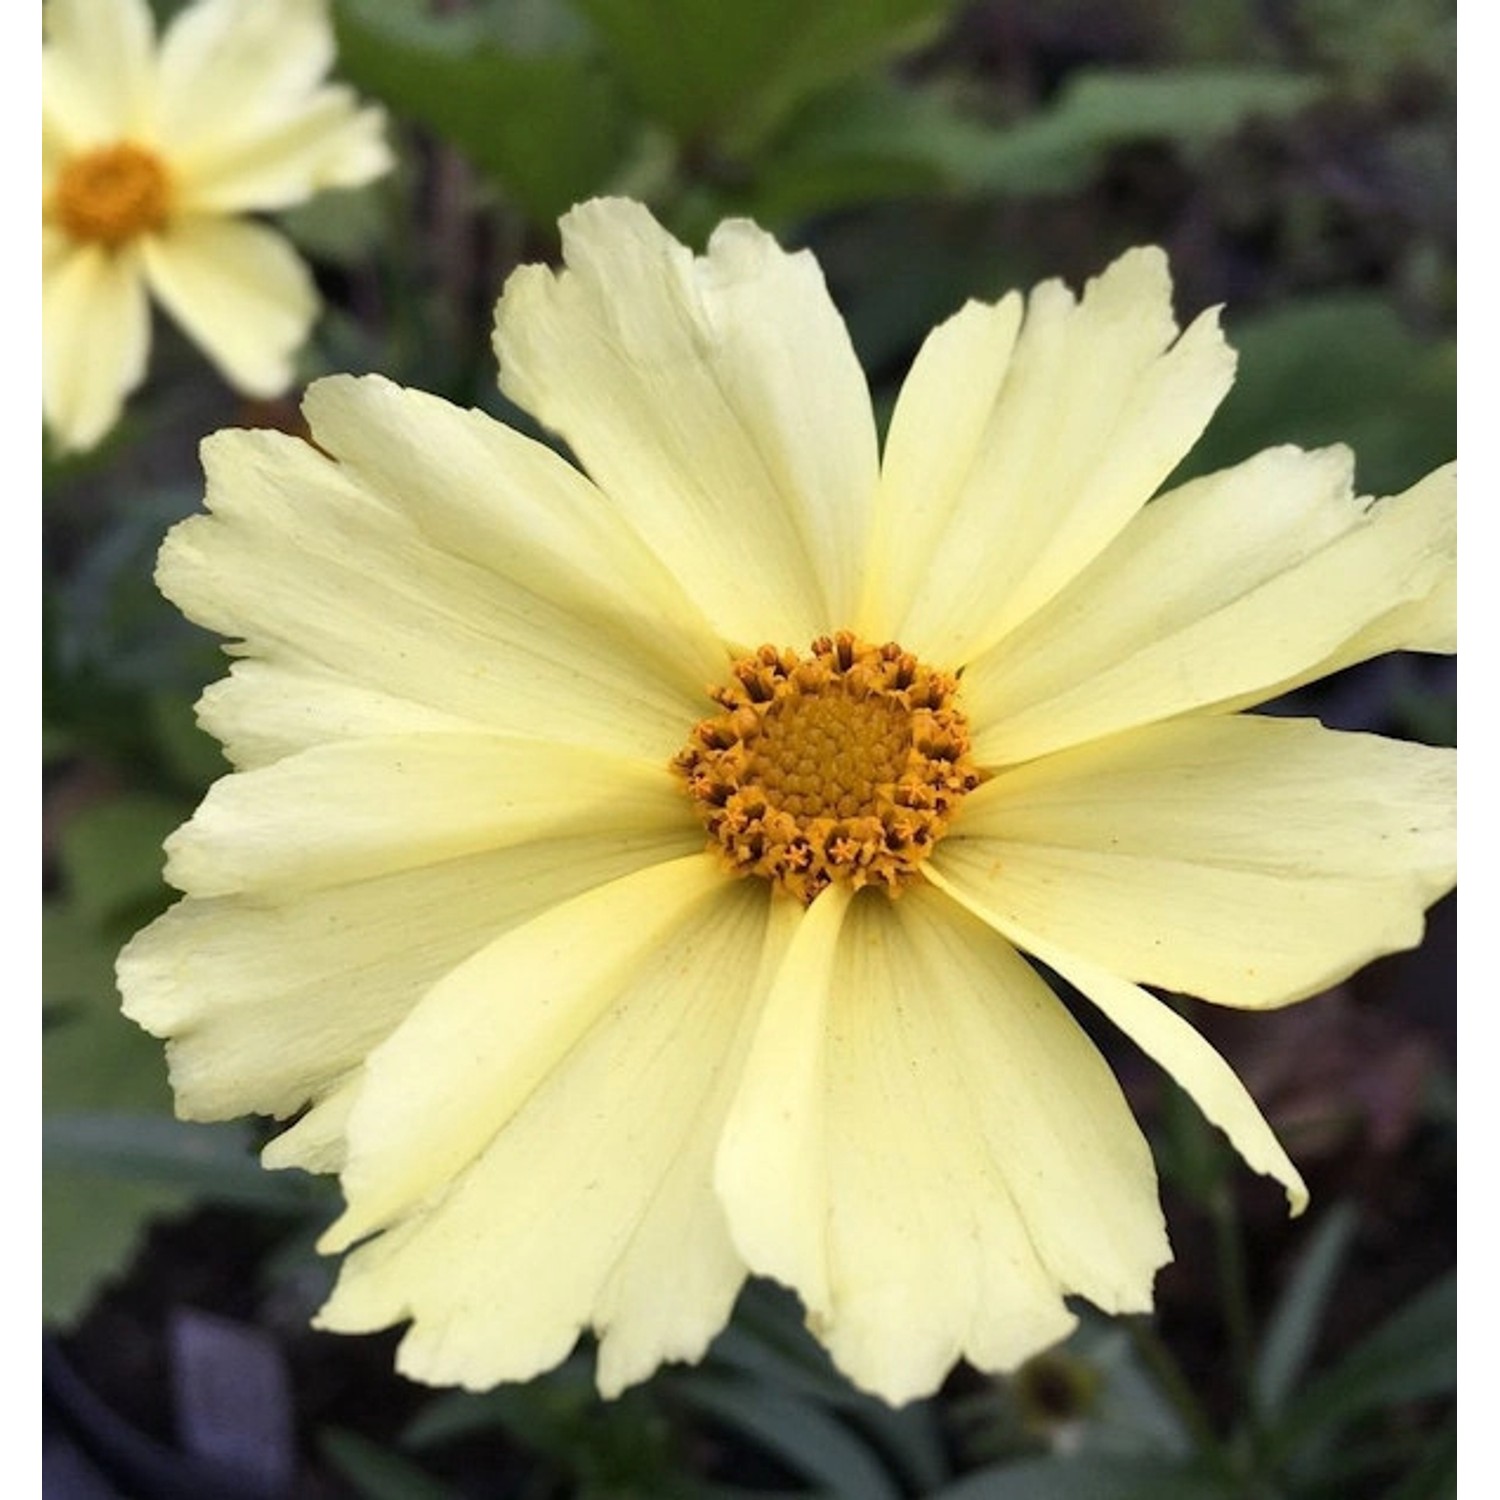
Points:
(482, 491)
(269, 1002)
(974, 1162)
(716, 400)
(1250, 861)
(1170, 1041)
(96, 335)
(228, 66)
(1221, 594)
(1033, 452)
(324, 578)
(239, 291)
(549, 1112)
(348, 811)
(327, 142)
(97, 69)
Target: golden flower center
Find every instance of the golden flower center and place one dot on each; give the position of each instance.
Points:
(112, 194)
(845, 764)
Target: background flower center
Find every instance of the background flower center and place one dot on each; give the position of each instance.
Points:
(112, 194)
(846, 764)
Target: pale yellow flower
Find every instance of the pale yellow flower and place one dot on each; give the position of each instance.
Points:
(152, 158)
(454, 910)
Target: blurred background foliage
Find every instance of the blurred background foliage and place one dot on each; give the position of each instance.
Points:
(1296, 158)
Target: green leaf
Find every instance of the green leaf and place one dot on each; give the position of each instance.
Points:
(206, 1161)
(92, 1058)
(1292, 1329)
(1338, 369)
(1412, 1356)
(1112, 1477)
(549, 125)
(732, 73)
(1060, 148)
(111, 855)
(801, 1435)
(375, 1473)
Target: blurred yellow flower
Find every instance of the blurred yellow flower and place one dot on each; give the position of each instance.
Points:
(151, 159)
(455, 914)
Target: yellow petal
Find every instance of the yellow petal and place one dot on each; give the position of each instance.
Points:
(322, 577)
(327, 142)
(969, 1161)
(96, 334)
(1249, 861)
(239, 291)
(772, 1166)
(576, 1089)
(267, 1002)
(351, 810)
(1220, 594)
(1091, 409)
(482, 491)
(231, 65)
(716, 400)
(98, 69)
(1170, 1041)
(244, 112)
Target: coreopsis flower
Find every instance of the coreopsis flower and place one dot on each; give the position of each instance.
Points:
(628, 874)
(152, 159)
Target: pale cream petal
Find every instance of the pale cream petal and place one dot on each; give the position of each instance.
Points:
(1221, 594)
(511, 505)
(318, 1141)
(319, 575)
(327, 143)
(1250, 861)
(771, 1170)
(351, 810)
(1090, 409)
(96, 335)
(976, 1160)
(942, 414)
(263, 711)
(270, 1002)
(1169, 1040)
(717, 401)
(231, 65)
(239, 291)
(584, 1082)
(98, 69)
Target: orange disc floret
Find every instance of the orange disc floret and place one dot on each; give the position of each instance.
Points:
(842, 765)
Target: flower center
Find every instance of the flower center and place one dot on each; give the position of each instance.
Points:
(846, 764)
(112, 194)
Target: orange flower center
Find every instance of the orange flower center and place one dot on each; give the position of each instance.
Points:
(846, 765)
(112, 194)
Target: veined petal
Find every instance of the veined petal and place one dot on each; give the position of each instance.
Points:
(515, 508)
(1221, 594)
(771, 1170)
(1250, 861)
(1172, 1042)
(327, 142)
(576, 1088)
(262, 711)
(96, 334)
(231, 66)
(716, 400)
(319, 575)
(239, 291)
(269, 1002)
(1090, 408)
(349, 811)
(976, 1160)
(97, 69)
